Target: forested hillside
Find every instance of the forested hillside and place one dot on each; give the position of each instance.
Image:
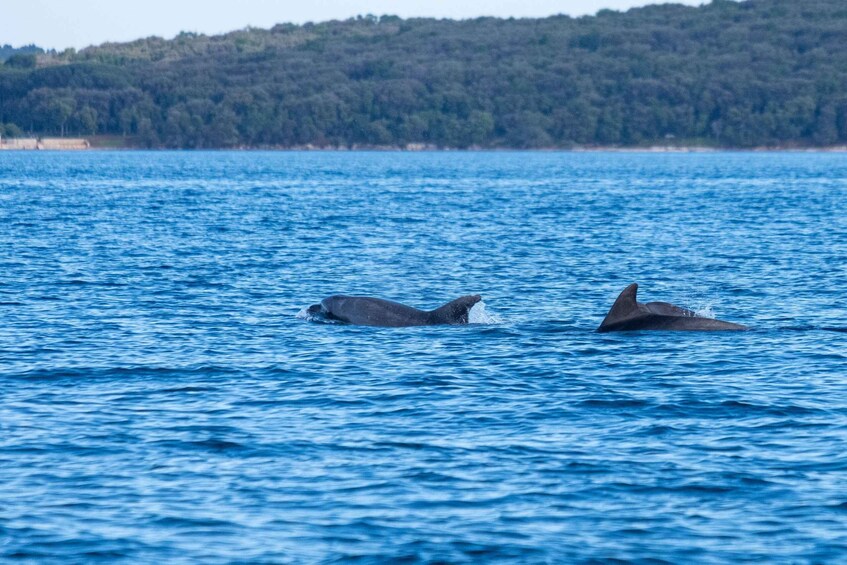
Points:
(754, 73)
(7, 51)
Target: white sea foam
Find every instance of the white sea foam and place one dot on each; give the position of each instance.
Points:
(304, 315)
(479, 315)
(699, 301)
(705, 311)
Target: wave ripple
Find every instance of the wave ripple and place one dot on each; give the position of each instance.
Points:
(160, 399)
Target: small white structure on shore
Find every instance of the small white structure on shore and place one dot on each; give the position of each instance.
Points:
(47, 143)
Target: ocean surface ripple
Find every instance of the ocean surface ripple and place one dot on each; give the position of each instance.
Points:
(161, 400)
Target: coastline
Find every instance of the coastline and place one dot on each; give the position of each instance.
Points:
(109, 143)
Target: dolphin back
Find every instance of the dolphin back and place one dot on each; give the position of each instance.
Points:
(370, 311)
(627, 314)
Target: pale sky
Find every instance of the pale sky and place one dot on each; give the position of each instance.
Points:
(66, 23)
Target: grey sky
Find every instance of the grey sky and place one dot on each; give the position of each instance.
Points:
(63, 23)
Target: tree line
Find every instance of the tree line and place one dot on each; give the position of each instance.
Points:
(729, 74)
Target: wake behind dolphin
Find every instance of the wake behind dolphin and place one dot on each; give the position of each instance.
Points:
(369, 311)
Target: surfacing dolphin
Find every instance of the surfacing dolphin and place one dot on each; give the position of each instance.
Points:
(367, 311)
(627, 314)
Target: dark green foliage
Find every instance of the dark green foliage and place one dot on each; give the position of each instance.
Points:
(754, 73)
(11, 130)
(21, 61)
(7, 51)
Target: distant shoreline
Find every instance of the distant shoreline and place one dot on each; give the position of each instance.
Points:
(754, 75)
(98, 143)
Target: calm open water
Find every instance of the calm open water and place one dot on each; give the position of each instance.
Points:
(161, 401)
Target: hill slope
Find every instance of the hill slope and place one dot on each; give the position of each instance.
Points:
(760, 72)
(7, 51)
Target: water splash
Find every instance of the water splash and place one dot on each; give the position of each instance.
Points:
(305, 315)
(479, 315)
(319, 317)
(705, 311)
(701, 303)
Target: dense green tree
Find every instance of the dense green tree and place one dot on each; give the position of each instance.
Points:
(85, 120)
(21, 61)
(7, 51)
(737, 74)
(58, 111)
(12, 130)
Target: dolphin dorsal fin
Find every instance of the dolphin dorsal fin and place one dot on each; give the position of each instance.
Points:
(625, 305)
(455, 312)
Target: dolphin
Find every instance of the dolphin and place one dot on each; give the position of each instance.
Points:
(368, 311)
(627, 315)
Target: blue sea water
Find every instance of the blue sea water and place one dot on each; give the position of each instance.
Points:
(162, 401)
